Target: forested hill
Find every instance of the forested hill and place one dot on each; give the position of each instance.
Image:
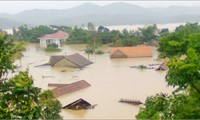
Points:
(113, 14)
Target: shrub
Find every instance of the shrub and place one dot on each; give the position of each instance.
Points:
(52, 48)
(99, 52)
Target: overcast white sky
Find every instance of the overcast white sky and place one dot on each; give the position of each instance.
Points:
(13, 7)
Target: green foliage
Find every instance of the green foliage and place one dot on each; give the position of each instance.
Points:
(184, 72)
(91, 27)
(90, 49)
(115, 38)
(20, 47)
(31, 34)
(104, 35)
(177, 43)
(62, 28)
(183, 42)
(51, 106)
(154, 106)
(19, 98)
(182, 49)
(7, 51)
(176, 106)
(149, 33)
(52, 48)
(79, 36)
(99, 52)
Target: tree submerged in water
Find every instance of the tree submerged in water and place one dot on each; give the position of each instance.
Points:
(19, 98)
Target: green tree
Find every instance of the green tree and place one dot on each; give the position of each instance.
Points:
(91, 27)
(149, 33)
(154, 107)
(79, 36)
(103, 35)
(19, 98)
(8, 49)
(51, 106)
(183, 50)
(31, 34)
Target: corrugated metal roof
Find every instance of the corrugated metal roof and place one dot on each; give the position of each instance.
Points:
(70, 88)
(77, 59)
(59, 35)
(137, 51)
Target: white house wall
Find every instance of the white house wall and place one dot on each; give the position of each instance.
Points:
(43, 42)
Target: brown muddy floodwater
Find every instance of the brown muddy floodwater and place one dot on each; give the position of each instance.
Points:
(110, 79)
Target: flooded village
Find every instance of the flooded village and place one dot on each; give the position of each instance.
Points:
(99, 60)
(109, 80)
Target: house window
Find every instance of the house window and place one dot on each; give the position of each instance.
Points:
(48, 42)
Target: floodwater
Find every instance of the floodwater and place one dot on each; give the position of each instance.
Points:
(170, 26)
(110, 79)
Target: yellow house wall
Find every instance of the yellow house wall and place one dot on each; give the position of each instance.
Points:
(65, 63)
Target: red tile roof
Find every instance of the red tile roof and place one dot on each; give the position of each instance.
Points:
(137, 51)
(59, 35)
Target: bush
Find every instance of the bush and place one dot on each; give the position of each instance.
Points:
(52, 48)
(89, 50)
(99, 52)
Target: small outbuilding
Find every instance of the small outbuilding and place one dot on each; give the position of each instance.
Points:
(57, 38)
(73, 61)
(78, 105)
(69, 88)
(131, 52)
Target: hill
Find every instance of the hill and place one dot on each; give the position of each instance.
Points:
(119, 13)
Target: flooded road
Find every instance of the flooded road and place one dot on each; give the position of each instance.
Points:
(110, 79)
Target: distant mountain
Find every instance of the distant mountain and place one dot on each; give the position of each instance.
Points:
(119, 13)
(7, 23)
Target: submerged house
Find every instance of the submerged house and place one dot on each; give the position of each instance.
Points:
(131, 52)
(163, 66)
(74, 61)
(78, 105)
(57, 38)
(69, 88)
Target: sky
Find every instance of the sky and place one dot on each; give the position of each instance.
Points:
(13, 7)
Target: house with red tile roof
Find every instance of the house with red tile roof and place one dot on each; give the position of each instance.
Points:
(55, 38)
(131, 52)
